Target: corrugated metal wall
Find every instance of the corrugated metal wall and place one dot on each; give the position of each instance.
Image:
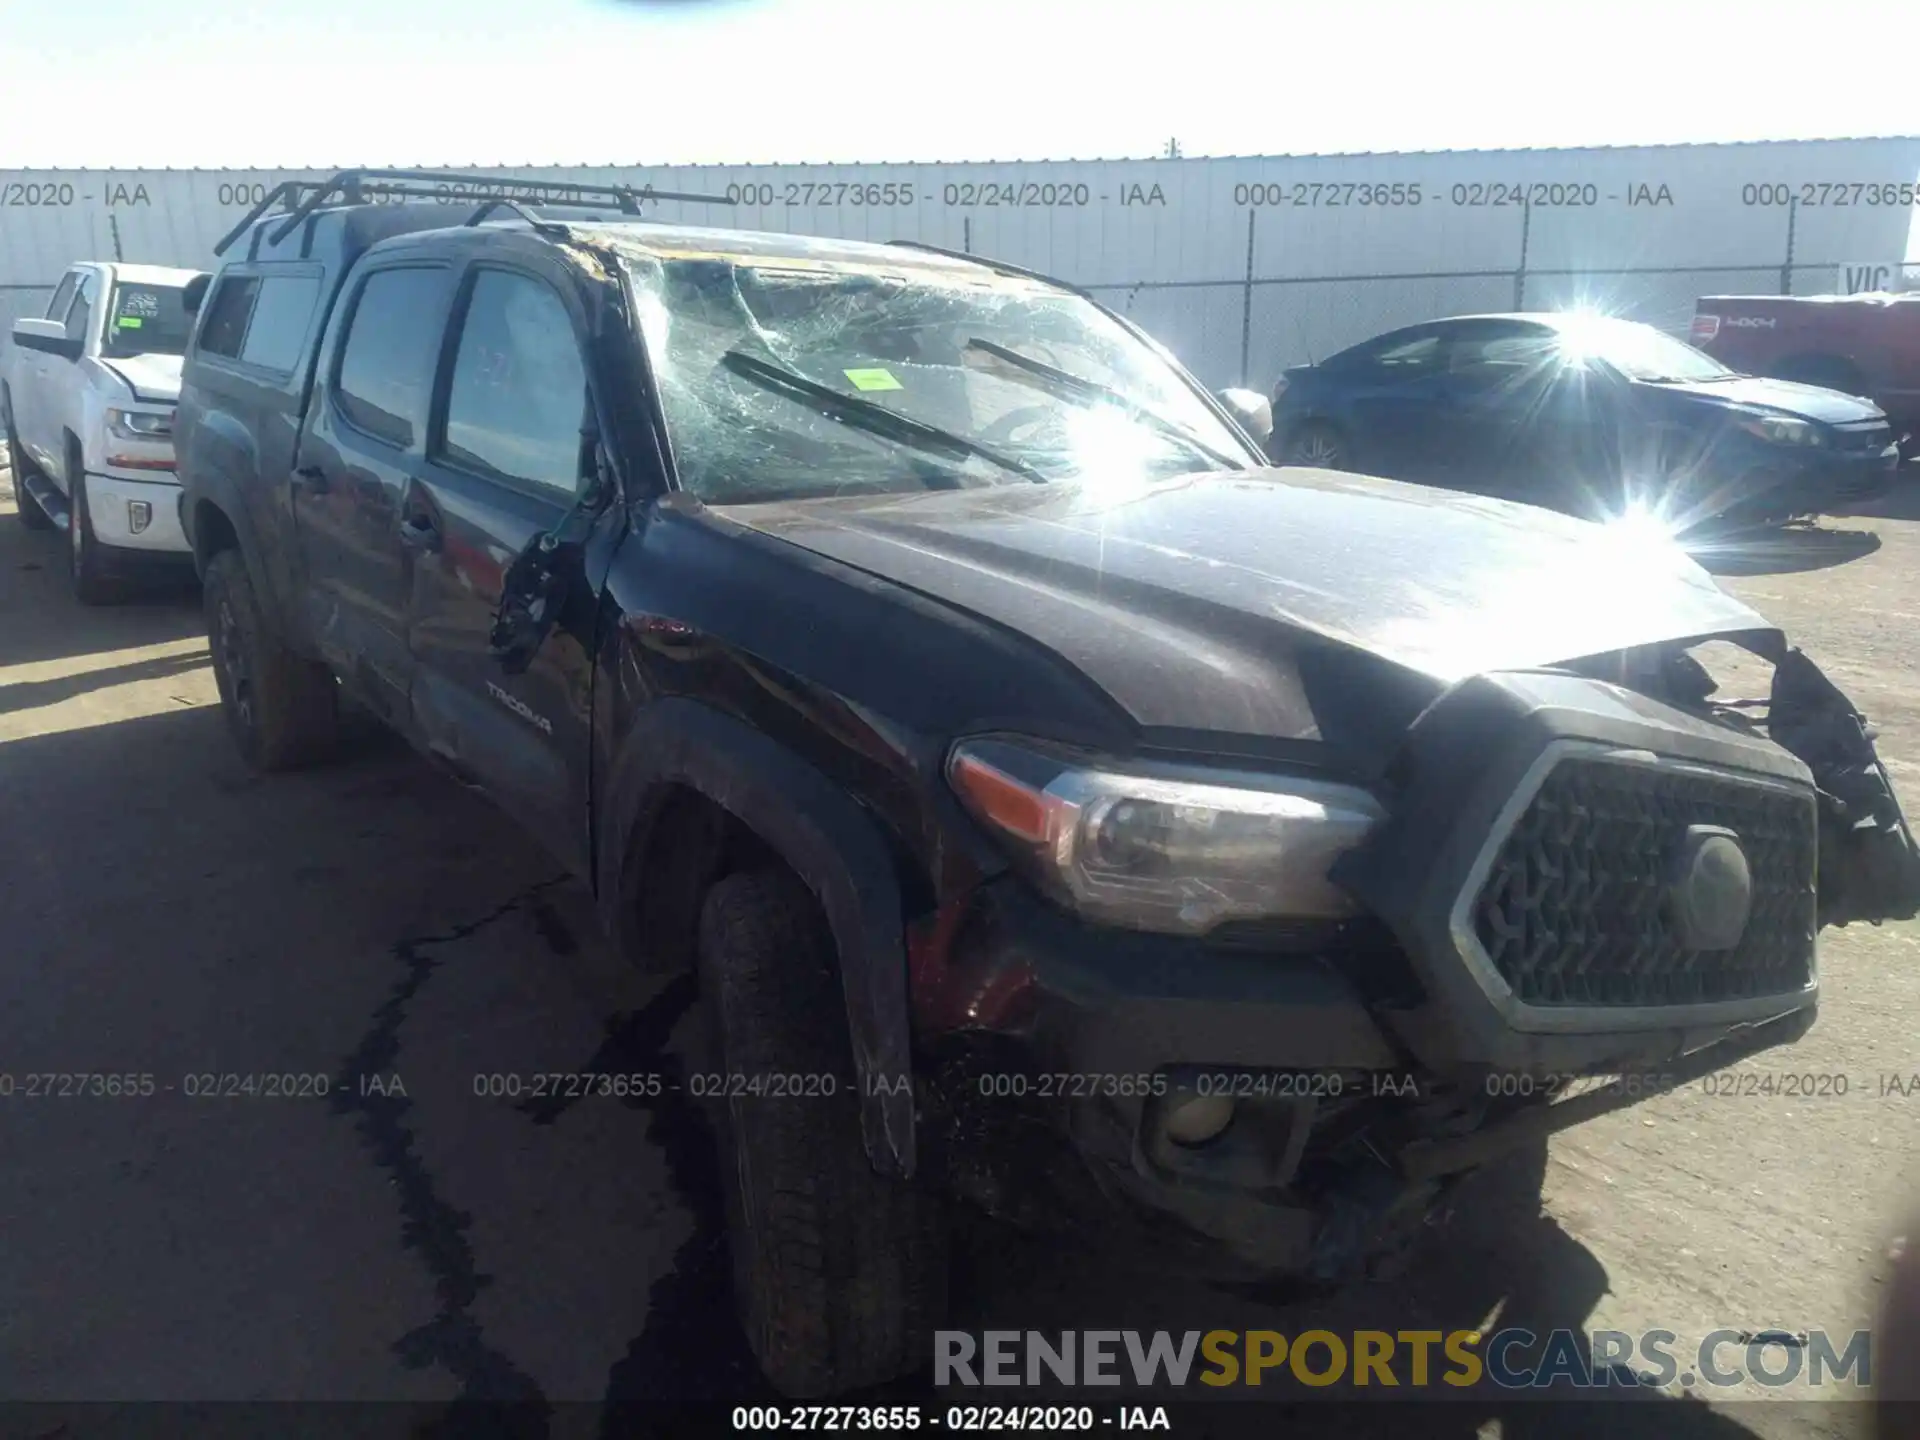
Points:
(1242, 265)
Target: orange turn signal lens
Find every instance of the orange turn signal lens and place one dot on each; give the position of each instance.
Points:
(1017, 809)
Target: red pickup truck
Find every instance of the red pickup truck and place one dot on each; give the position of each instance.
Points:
(1866, 345)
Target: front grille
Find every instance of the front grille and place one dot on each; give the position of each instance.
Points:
(1573, 910)
(1873, 436)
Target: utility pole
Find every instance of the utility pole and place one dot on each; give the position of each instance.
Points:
(1173, 150)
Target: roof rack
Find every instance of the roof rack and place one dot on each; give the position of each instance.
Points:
(303, 197)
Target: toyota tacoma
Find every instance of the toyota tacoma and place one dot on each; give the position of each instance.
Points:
(1062, 811)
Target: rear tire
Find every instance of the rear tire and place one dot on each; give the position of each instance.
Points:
(1317, 445)
(282, 709)
(839, 1272)
(28, 508)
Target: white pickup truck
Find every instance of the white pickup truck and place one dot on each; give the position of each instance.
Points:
(87, 393)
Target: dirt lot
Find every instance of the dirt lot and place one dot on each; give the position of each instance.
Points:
(164, 914)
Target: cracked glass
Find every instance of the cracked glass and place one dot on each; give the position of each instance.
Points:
(787, 377)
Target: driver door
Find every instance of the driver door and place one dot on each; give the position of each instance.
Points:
(32, 384)
(509, 455)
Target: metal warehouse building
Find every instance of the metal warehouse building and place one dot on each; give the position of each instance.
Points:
(1241, 265)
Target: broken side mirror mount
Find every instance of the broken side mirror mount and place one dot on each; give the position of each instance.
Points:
(533, 592)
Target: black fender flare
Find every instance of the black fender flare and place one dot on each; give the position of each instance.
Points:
(827, 839)
(223, 494)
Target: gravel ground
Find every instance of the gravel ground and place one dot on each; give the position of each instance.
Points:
(164, 913)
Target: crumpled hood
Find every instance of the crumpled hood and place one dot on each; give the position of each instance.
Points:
(1194, 602)
(153, 377)
(1788, 396)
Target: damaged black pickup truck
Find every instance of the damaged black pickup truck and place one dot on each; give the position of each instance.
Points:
(1063, 812)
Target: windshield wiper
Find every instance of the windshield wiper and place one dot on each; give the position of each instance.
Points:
(1069, 386)
(866, 415)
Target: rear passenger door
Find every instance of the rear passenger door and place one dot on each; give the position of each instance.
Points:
(364, 444)
(509, 457)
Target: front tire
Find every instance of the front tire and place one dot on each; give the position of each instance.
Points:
(839, 1272)
(282, 709)
(92, 584)
(19, 466)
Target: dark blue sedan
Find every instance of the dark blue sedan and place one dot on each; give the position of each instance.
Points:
(1586, 414)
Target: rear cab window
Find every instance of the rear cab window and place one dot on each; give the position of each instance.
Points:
(261, 318)
(383, 375)
(227, 311)
(282, 316)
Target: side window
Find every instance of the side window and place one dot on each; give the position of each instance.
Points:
(80, 318)
(386, 364)
(1500, 355)
(62, 297)
(227, 314)
(1417, 355)
(519, 391)
(282, 312)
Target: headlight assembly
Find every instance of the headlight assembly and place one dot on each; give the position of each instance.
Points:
(1782, 429)
(141, 424)
(1164, 849)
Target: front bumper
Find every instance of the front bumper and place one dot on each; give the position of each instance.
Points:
(140, 515)
(1060, 1053)
(1823, 483)
(1528, 924)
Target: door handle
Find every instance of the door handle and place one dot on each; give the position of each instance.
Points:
(314, 477)
(418, 532)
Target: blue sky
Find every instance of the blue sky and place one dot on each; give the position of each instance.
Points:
(271, 83)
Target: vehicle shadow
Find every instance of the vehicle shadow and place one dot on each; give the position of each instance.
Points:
(1900, 503)
(44, 622)
(33, 694)
(1788, 550)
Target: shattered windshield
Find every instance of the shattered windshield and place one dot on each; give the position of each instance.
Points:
(784, 379)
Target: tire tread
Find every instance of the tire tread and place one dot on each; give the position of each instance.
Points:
(296, 704)
(841, 1270)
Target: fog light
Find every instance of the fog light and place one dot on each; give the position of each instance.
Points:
(139, 515)
(1196, 1119)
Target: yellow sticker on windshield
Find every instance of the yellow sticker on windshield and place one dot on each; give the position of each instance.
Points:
(875, 379)
(130, 322)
